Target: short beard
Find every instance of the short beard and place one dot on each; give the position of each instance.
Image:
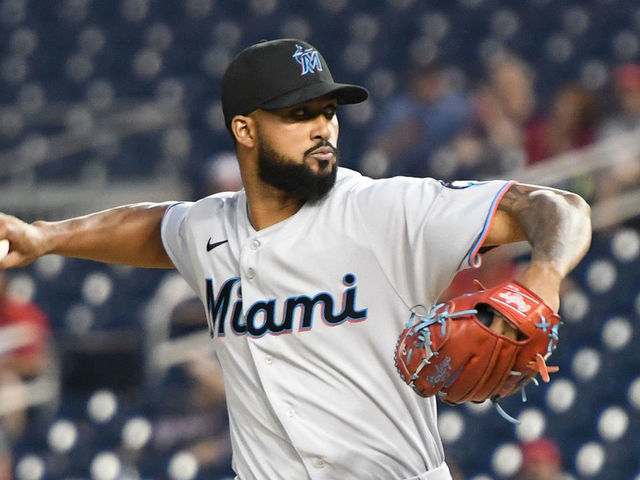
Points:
(293, 178)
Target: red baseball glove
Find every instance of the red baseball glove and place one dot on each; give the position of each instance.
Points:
(453, 352)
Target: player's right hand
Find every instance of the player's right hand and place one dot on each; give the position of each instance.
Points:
(26, 242)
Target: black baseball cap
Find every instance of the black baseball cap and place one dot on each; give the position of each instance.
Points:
(277, 74)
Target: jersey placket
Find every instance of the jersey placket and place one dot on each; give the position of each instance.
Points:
(270, 368)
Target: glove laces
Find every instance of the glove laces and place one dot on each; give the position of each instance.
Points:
(419, 322)
(539, 363)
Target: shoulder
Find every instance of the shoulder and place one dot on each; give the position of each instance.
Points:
(351, 180)
(224, 201)
(352, 186)
(219, 200)
(218, 207)
(355, 182)
(347, 178)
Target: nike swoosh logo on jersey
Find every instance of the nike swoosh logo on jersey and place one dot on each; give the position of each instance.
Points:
(211, 246)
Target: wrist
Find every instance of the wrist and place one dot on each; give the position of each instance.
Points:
(544, 269)
(544, 279)
(44, 240)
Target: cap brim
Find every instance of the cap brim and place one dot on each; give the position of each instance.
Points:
(346, 94)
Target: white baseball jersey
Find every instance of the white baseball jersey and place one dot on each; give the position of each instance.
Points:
(305, 315)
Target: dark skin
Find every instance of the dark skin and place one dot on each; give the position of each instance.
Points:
(556, 223)
(291, 131)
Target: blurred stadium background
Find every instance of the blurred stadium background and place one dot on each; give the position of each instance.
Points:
(105, 103)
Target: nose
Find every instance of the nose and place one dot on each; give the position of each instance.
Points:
(321, 129)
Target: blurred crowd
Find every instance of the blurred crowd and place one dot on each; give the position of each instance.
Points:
(24, 357)
(441, 127)
(179, 407)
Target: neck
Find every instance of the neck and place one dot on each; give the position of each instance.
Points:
(267, 205)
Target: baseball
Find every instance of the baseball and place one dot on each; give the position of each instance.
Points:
(4, 248)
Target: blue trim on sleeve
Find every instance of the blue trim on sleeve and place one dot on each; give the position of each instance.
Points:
(173, 205)
(474, 259)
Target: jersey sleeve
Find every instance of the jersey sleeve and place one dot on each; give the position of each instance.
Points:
(466, 211)
(177, 241)
(423, 231)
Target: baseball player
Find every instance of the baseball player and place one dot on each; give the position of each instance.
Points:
(309, 273)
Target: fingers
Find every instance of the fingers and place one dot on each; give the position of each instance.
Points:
(9, 227)
(503, 327)
(21, 243)
(6, 260)
(14, 259)
(497, 322)
(4, 225)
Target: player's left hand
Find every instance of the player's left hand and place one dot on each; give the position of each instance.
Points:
(479, 346)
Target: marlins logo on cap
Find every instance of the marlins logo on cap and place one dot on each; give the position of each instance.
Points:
(308, 59)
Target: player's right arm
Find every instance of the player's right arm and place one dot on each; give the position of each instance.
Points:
(557, 225)
(126, 235)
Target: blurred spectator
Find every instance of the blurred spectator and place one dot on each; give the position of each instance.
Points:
(6, 457)
(189, 407)
(494, 143)
(569, 124)
(415, 123)
(24, 353)
(541, 460)
(455, 470)
(507, 102)
(626, 116)
(623, 172)
(220, 173)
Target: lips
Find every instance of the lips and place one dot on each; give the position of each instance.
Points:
(323, 153)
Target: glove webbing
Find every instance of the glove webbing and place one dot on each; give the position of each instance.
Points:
(442, 317)
(425, 339)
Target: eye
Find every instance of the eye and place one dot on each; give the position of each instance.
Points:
(299, 113)
(330, 112)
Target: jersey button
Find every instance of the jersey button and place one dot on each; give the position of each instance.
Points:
(251, 273)
(319, 463)
(291, 412)
(268, 359)
(255, 244)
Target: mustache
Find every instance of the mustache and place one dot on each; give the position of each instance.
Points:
(321, 144)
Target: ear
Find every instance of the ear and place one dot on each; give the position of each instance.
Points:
(244, 129)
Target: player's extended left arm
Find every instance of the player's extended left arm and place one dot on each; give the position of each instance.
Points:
(556, 223)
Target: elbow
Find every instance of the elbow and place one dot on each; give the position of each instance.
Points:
(579, 203)
(579, 223)
(582, 211)
(563, 203)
